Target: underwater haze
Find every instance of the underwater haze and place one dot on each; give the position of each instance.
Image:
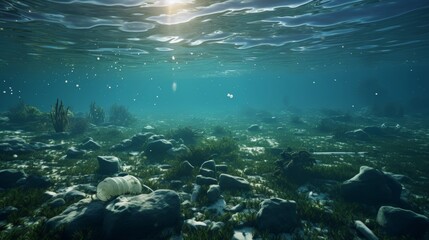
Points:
(237, 119)
(265, 54)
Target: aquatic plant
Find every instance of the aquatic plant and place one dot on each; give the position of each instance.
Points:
(59, 116)
(119, 115)
(187, 134)
(22, 113)
(96, 114)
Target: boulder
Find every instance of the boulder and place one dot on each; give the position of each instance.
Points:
(371, 186)
(158, 148)
(277, 215)
(135, 143)
(108, 165)
(229, 182)
(201, 180)
(73, 152)
(81, 216)
(10, 178)
(398, 222)
(210, 164)
(213, 193)
(90, 145)
(186, 168)
(207, 172)
(254, 128)
(357, 134)
(34, 181)
(146, 216)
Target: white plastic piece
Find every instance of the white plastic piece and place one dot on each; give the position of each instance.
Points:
(115, 186)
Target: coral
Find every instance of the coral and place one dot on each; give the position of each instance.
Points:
(119, 115)
(96, 114)
(59, 117)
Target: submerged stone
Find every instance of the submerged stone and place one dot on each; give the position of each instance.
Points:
(398, 221)
(371, 186)
(229, 182)
(10, 178)
(277, 215)
(108, 165)
(146, 216)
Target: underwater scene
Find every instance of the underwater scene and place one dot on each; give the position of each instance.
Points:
(220, 119)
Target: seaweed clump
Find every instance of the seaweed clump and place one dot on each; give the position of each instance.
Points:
(295, 165)
(59, 116)
(119, 115)
(96, 114)
(23, 113)
(187, 134)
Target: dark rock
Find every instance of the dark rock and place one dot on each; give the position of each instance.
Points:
(73, 152)
(371, 186)
(237, 208)
(108, 165)
(10, 178)
(398, 221)
(6, 212)
(364, 230)
(357, 134)
(90, 145)
(213, 193)
(374, 130)
(146, 216)
(229, 182)
(134, 144)
(176, 184)
(222, 168)
(210, 164)
(80, 216)
(57, 202)
(254, 128)
(72, 195)
(207, 172)
(158, 148)
(182, 150)
(186, 168)
(207, 181)
(33, 181)
(277, 215)
(15, 145)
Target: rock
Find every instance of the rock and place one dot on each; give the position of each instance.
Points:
(186, 168)
(146, 216)
(176, 184)
(365, 231)
(10, 178)
(72, 195)
(201, 180)
(229, 182)
(158, 148)
(237, 208)
(210, 164)
(398, 221)
(33, 181)
(195, 225)
(374, 130)
(222, 168)
(80, 216)
(182, 150)
(57, 202)
(90, 145)
(254, 128)
(357, 134)
(148, 128)
(371, 186)
(207, 172)
(216, 226)
(15, 145)
(213, 193)
(73, 152)
(135, 143)
(277, 215)
(6, 211)
(108, 165)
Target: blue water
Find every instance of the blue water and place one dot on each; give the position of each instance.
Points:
(201, 57)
